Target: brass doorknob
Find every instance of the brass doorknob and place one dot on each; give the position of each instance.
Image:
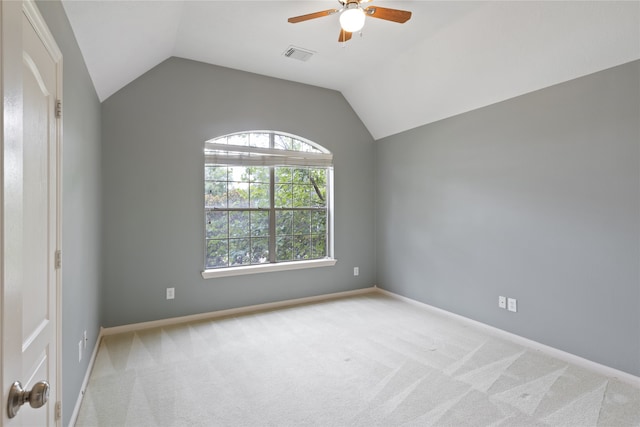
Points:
(37, 397)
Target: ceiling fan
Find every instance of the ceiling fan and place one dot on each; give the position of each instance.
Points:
(352, 16)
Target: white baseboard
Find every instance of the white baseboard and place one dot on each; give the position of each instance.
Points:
(525, 342)
(231, 312)
(85, 382)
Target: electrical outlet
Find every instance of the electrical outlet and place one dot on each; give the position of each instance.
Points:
(356, 271)
(512, 304)
(171, 293)
(80, 351)
(502, 302)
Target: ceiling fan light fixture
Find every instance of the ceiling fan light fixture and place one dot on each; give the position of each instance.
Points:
(352, 18)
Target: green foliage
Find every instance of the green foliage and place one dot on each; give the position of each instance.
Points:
(284, 223)
(300, 187)
(259, 224)
(217, 253)
(242, 237)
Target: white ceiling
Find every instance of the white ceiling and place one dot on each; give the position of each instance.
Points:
(451, 57)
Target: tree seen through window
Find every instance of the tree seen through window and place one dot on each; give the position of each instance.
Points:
(265, 214)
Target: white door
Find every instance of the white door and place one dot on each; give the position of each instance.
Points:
(30, 238)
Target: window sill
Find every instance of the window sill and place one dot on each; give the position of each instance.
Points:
(266, 268)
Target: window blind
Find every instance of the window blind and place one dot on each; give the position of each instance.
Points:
(238, 155)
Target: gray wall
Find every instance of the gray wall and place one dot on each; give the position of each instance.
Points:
(536, 198)
(152, 161)
(81, 212)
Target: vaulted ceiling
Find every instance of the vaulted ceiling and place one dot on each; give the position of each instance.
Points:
(451, 57)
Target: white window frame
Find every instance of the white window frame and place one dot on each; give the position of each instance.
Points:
(237, 155)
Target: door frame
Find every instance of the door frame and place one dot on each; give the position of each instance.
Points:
(11, 113)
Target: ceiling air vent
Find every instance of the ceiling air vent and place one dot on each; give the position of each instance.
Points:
(298, 53)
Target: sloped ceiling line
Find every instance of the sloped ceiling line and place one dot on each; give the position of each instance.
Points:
(451, 57)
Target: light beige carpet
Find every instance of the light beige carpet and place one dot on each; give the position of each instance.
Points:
(369, 360)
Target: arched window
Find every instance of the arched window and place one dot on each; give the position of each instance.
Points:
(267, 201)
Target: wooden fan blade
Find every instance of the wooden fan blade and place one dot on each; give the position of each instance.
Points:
(344, 36)
(395, 15)
(314, 15)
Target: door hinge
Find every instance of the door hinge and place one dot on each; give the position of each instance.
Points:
(58, 261)
(58, 109)
(58, 414)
